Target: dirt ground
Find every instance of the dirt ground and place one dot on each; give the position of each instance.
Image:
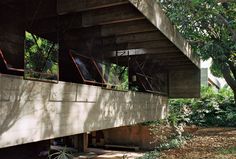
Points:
(95, 153)
(207, 143)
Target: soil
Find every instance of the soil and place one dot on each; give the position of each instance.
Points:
(207, 143)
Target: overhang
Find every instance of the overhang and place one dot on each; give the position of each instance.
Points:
(110, 29)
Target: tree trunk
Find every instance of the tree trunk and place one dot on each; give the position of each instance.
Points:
(234, 97)
(229, 79)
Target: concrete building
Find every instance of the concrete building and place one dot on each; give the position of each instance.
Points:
(207, 78)
(134, 34)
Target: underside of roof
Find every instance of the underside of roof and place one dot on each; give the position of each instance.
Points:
(109, 29)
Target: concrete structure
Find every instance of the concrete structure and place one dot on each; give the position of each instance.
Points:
(33, 111)
(207, 78)
(133, 30)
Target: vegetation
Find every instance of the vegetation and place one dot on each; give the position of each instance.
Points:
(41, 57)
(61, 154)
(116, 75)
(231, 150)
(151, 155)
(212, 109)
(210, 27)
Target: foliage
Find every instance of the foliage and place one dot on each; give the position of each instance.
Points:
(61, 154)
(151, 155)
(212, 109)
(210, 27)
(231, 150)
(175, 142)
(40, 56)
(167, 136)
(116, 75)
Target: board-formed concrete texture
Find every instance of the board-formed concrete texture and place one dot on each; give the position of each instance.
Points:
(32, 111)
(102, 28)
(153, 12)
(180, 86)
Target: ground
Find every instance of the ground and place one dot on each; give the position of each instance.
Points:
(207, 143)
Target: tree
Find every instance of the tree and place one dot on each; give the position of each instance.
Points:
(41, 56)
(210, 27)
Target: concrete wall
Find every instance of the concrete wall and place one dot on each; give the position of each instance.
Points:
(32, 111)
(184, 83)
(137, 135)
(204, 76)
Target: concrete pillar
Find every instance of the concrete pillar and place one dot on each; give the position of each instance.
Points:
(81, 142)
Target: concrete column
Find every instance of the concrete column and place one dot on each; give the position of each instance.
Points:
(81, 142)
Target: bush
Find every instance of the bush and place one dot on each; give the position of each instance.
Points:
(212, 109)
(151, 155)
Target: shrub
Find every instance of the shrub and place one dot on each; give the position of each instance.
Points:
(212, 109)
(150, 155)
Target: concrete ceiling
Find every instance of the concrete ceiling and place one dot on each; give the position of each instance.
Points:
(103, 27)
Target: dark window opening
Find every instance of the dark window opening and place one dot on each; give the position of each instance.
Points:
(145, 82)
(115, 76)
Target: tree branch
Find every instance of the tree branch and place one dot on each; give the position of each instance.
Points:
(232, 68)
(228, 77)
(226, 23)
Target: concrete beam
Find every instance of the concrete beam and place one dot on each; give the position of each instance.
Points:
(110, 15)
(150, 44)
(35, 10)
(154, 13)
(137, 37)
(163, 60)
(181, 67)
(123, 28)
(161, 55)
(158, 58)
(127, 28)
(65, 6)
(93, 34)
(119, 42)
(184, 83)
(74, 28)
(140, 52)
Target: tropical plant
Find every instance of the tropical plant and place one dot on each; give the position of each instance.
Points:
(61, 154)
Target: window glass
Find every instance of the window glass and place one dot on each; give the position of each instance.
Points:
(87, 68)
(109, 75)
